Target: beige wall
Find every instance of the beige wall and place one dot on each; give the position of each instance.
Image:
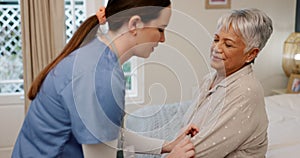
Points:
(92, 6)
(173, 70)
(11, 119)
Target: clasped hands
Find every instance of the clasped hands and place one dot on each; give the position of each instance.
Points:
(182, 146)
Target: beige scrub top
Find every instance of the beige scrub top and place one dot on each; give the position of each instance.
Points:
(231, 117)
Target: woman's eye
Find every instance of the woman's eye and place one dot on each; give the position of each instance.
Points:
(161, 30)
(228, 45)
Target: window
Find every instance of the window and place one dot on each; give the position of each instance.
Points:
(134, 75)
(75, 13)
(11, 69)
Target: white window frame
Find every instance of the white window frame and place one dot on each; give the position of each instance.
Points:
(7, 99)
(10, 99)
(136, 94)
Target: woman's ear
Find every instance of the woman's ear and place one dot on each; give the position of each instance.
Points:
(252, 54)
(134, 23)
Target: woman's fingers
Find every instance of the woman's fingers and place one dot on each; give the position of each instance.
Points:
(190, 153)
(184, 149)
(192, 130)
(186, 144)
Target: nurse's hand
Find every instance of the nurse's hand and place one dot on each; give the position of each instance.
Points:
(190, 130)
(185, 149)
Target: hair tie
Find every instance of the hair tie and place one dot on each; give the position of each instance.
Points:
(101, 15)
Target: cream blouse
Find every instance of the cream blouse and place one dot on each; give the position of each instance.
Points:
(231, 117)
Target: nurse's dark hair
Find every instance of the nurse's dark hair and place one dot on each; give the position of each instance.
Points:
(138, 7)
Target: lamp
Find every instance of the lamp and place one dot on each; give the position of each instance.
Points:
(291, 49)
(291, 54)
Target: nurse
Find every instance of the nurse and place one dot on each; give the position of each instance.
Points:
(78, 100)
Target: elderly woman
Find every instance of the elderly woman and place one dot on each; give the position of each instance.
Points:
(230, 110)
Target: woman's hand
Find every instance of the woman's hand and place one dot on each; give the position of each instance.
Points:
(190, 131)
(184, 149)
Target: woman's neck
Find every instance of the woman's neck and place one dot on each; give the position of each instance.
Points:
(218, 78)
(118, 44)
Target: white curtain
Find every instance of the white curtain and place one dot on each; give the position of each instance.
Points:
(43, 36)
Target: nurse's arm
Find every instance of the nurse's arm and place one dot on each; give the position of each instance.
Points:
(103, 150)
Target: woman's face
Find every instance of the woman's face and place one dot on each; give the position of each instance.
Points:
(227, 52)
(151, 34)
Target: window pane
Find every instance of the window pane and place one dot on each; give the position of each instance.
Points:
(128, 82)
(75, 14)
(11, 69)
(127, 67)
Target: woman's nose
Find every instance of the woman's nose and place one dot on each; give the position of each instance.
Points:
(217, 48)
(162, 37)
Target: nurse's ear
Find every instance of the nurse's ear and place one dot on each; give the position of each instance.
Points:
(134, 23)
